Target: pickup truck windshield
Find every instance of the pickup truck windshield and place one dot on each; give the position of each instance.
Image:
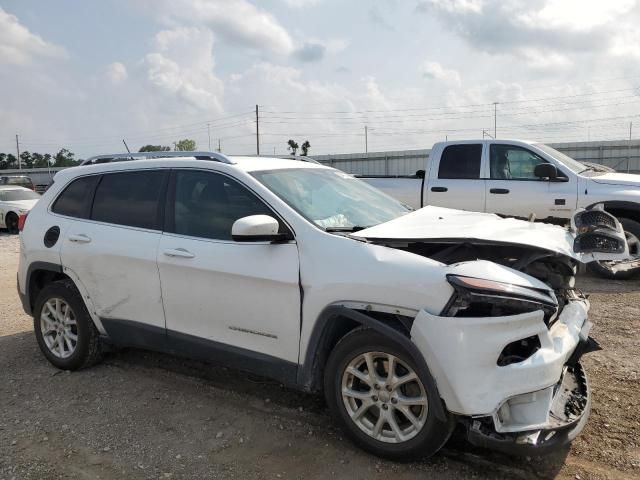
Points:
(573, 165)
(16, 195)
(330, 199)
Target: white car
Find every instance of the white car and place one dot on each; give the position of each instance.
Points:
(304, 274)
(14, 202)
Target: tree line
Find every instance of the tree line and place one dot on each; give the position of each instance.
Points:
(64, 158)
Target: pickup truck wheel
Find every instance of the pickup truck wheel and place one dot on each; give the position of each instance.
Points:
(608, 269)
(64, 330)
(381, 399)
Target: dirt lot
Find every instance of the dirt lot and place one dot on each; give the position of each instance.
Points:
(143, 415)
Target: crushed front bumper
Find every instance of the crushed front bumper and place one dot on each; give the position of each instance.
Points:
(568, 415)
(533, 404)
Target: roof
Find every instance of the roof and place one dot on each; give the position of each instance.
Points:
(231, 163)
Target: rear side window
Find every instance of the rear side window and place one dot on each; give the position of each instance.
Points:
(461, 162)
(75, 200)
(129, 198)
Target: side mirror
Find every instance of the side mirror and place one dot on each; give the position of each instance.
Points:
(420, 173)
(546, 170)
(257, 228)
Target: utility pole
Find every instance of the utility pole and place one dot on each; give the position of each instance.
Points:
(209, 134)
(495, 119)
(257, 132)
(219, 149)
(18, 151)
(174, 146)
(366, 140)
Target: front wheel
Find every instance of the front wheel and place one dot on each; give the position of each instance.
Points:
(612, 270)
(382, 400)
(11, 222)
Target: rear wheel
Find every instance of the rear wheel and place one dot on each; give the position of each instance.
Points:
(64, 330)
(11, 221)
(382, 400)
(612, 270)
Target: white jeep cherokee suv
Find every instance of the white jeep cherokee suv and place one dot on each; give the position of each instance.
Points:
(304, 274)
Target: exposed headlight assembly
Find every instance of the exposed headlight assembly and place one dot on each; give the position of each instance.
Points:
(478, 297)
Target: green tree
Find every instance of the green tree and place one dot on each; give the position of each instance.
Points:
(155, 148)
(26, 160)
(305, 148)
(293, 146)
(64, 158)
(186, 145)
(3, 161)
(12, 161)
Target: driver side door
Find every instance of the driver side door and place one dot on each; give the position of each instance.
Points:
(238, 302)
(513, 190)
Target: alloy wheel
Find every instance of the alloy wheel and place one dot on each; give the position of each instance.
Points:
(384, 397)
(59, 328)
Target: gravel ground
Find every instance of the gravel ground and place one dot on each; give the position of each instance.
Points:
(141, 415)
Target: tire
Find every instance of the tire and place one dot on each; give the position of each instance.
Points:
(414, 441)
(11, 222)
(60, 315)
(604, 269)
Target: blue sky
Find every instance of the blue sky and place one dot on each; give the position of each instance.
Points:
(83, 75)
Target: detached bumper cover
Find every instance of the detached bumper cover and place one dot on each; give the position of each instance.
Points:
(462, 355)
(570, 409)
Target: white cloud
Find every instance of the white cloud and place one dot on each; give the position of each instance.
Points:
(236, 21)
(182, 68)
(116, 72)
(435, 71)
(301, 3)
(18, 46)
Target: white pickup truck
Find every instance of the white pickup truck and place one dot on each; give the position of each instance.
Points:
(522, 179)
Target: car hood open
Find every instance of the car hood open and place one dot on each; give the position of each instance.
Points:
(446, 225)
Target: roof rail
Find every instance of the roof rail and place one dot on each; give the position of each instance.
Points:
(123, 157)
(299, 158)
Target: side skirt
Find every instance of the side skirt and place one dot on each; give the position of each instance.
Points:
(126, 333)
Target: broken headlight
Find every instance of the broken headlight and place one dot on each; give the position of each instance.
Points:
(478, 297)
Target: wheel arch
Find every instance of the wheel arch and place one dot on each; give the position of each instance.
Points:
(334, 322)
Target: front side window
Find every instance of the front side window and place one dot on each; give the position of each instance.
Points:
(75, 200)
(461, 162)
(510, 162)
(331, 199)
(129, 198)
(207, 204)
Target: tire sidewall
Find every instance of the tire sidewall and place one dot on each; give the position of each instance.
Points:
(67, 292)
(434, 433)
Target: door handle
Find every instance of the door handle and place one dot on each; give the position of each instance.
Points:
(439, 189)
(499, 191)
(79, 238)
(178, 252)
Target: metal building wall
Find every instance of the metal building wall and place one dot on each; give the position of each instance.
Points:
(620, 155)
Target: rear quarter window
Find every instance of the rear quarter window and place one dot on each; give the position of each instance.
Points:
(75, 199)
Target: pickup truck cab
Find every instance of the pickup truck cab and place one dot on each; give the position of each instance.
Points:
(522, 179)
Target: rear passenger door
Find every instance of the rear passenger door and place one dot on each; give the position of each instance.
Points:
(111, 246)
(455, 180)
(222, 296)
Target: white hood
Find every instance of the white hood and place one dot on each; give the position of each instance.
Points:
(626, 179)
(437, 223)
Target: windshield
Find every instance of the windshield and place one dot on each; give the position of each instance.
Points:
(573, 165)
(331, 199)
(15, 195)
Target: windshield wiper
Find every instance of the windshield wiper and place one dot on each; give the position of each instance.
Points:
(355, 228)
